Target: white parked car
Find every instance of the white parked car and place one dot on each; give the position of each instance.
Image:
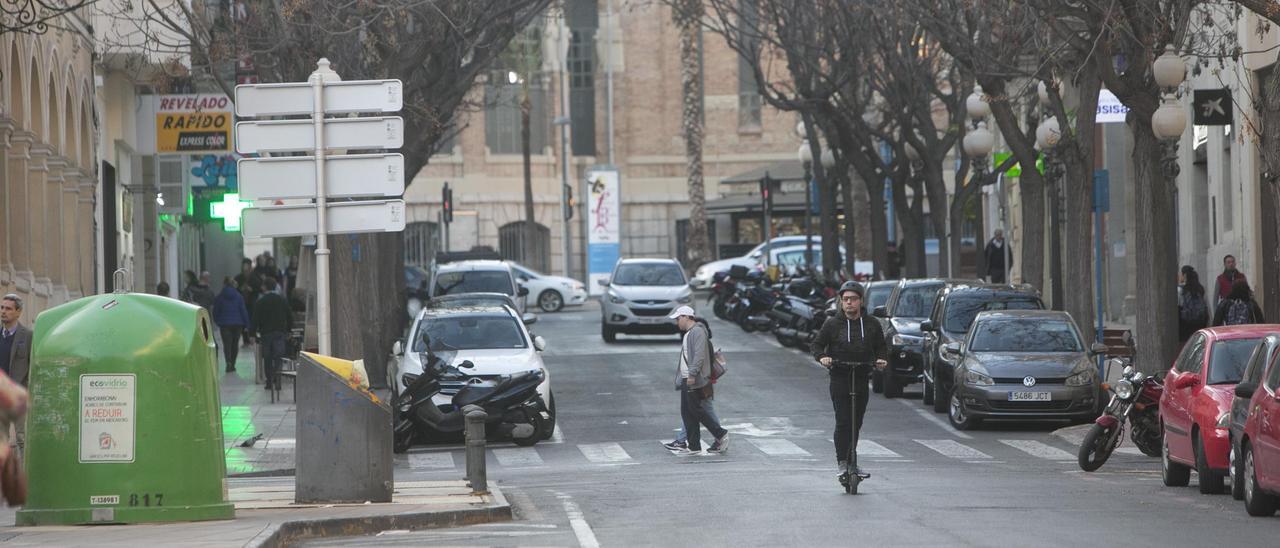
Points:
(492, 336)
(477, 276)
(702, 277)
(640, 294)
(549, 293)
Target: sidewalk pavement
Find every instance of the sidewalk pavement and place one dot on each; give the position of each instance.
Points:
(261, 486)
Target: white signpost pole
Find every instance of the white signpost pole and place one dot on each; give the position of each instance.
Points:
(324, 325)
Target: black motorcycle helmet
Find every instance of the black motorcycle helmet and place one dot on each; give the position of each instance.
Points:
(852, 286)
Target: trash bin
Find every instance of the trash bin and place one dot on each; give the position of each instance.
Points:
(125, 423)
(344, 435)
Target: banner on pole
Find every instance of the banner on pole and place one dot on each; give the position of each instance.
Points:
(604, 212)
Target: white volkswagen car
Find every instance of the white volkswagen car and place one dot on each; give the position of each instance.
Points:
(640, 294)
(549, 293)
(492, 336)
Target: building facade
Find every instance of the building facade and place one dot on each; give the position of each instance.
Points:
(639, 131)
(49, 190)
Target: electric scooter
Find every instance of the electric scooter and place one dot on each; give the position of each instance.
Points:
(850, 479)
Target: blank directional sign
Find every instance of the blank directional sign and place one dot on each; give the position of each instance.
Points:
(299, 135)
(343, 218)
(346, 176)
(339, 98)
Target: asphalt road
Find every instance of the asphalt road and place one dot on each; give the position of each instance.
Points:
(605, 480)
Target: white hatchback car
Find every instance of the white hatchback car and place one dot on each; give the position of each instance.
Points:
(639, 296)
(477, 276)
(549, 293)
(491, 336)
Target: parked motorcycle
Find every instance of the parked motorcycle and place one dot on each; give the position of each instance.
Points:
(753, 312)
(723, 286)
(514, 407)
(1135, 399)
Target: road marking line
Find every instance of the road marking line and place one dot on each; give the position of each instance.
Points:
(868, 448)
(777, 447)
(557, 436)
(581, 529)
(431, 460)
(604, 453)
(1039, 449)
(929, 416)
(954, 449)
(512, 458)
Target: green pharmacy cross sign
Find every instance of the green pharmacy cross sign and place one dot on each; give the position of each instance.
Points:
(229, 210)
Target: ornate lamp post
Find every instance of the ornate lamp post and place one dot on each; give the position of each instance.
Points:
(979, 141)
(1170, 120)
(805, 154)
(1048, 134)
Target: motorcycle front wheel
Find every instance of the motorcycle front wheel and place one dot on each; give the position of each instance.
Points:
(1097, 447)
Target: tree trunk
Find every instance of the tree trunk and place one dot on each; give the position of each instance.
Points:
(1030, 183)
(955, 221)
(688, 18)
(936, 194)
(911, 221)
(1157, 254)
(1077, 226)
(855, 222)
(530, 222)
(1270, 151)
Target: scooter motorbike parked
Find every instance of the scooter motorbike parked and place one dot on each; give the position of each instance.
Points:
(515, 409)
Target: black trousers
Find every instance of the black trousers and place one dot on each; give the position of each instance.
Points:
(840, 383)
(231, 344)
(693, 414)
(272, 347)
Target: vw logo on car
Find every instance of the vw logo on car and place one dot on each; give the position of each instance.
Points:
(1028, 381)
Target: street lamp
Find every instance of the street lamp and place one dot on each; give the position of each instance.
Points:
(1170, 120)
(1048, 135)
(806, 159)
(979, 141)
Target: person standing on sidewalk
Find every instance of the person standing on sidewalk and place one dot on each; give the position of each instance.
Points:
(682, 439)
(232, 317)
(1238, 308)
(693, 379)
(1228, 277)
(271, 322)
(998, 258)
(1193, 310)
(849, 338)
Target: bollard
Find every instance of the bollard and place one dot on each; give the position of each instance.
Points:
(476, 474)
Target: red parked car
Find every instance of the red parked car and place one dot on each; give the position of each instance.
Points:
(1260, 443)
(1195, 410)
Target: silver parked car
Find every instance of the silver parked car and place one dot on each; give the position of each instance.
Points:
(640, 294)
(1023, 364)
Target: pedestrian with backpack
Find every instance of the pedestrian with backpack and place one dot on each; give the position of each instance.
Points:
(1238, 308)
(682, 439)
(693, 379)
(1193, 309)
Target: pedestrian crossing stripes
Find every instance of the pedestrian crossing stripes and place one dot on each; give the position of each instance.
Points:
(778, 447)
(516, 458)
(1038, 449)
(954, 449)
(605, 453)
(985, 451)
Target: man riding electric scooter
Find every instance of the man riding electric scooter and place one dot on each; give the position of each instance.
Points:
(848, 345)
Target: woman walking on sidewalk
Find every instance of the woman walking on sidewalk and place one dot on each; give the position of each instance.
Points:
(231, 315)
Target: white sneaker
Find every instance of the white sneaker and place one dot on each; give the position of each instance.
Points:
(720, 446)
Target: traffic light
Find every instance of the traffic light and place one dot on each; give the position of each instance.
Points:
(766, 192)
(446, 204)
(568, 202)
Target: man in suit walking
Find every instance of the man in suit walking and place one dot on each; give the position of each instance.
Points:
(15, 356)
(15, 340)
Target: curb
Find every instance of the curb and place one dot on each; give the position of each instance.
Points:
(284, 472)
(287, 533)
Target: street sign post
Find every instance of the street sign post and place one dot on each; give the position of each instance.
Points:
(320, 176)
(343, 218)
(347, 176)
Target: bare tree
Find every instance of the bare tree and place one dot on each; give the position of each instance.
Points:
(438, 49)
(1135, 32)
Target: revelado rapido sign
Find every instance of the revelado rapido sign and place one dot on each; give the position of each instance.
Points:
(107, 406)
(193, 123)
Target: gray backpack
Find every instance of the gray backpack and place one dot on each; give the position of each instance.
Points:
(1238, 313)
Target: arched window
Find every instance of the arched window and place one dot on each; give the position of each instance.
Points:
(513, 245)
